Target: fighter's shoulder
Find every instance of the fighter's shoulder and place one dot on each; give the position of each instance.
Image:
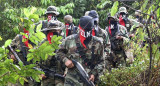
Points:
(71, 37)
(98, 39)
(16, 40)
(17, 37)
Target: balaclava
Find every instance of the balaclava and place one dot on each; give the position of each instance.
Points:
(122, 18)
(95, 17)
(85, 26)
(113, 27)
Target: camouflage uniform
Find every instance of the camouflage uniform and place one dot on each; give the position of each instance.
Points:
(50, 10)
(52, 63)
(91, 57)
(118, 47)
(69, 26)
(101, 33)
(18, 44)
(130, 24)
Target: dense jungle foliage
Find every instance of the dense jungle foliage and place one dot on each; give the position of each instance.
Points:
(145, 70)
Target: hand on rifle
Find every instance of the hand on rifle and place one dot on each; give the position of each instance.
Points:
(91, 78)
(43, 76)
(69, 64)
(119, 37)
(13, 57)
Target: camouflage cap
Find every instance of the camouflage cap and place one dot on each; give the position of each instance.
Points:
(123, 9)
(52, 10)
(138, 12)
(52, 25)
(68, 19)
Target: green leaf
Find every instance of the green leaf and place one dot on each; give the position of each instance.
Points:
(114, 8)
(21, 64)
(1, 49)
(8, 42)
(0, 38)
(17, 50)
(143, 7)
(38, 29)
(16, 77)
(26, 12)
(35, 17)
(21, 80)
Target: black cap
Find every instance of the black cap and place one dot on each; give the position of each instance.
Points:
(86, 22)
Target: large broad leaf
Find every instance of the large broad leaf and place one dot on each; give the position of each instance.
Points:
(26, 12)
(34, 17)
(114, 8)
(8, 42)
(15, 29)
(39, 26)
(33, 10)
(21, 80)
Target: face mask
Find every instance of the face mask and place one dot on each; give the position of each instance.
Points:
(26, 38)
(85, 36)
(50, 35)
(50, 17)
(68, 29)
(123, 15)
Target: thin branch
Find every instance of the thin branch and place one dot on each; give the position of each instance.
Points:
(4, 74)
(150, 42)
(132, 8)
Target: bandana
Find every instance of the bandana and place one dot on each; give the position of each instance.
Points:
(68, 29)
(93, 32)
(49, 36)
(25, 38)
(49, 17)
(109, 28)
(85, 36)
(121, 20)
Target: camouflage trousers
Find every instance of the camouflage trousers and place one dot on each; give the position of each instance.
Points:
(52, 82)
(73, 79)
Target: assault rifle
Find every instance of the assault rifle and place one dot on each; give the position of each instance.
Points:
(46, 70)
(82, 73)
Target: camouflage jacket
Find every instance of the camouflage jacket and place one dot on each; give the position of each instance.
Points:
(53, 63)
(130, 24)
(69, 49)
(106, 42)
(123, 32)
(72, 28)
(17, 44)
